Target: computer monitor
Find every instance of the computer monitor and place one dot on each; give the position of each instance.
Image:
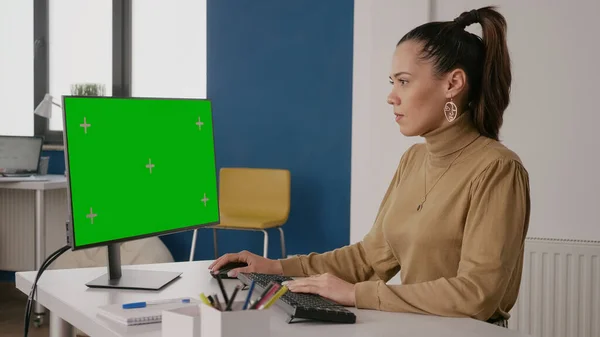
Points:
(20, 155)
(137, 167)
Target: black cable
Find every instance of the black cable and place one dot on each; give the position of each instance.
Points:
(41, 269)
(45, 264)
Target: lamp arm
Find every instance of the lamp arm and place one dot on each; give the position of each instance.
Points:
(56, 104)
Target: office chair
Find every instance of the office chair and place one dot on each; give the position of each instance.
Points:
(252, 199)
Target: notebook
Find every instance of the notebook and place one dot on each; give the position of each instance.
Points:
(138, 316)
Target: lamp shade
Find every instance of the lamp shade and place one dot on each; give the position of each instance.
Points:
(44, 109)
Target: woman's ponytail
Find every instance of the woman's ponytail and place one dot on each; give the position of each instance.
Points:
(494, 94)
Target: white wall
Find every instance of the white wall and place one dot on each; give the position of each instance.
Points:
(550, 122)
(376, 140)
(169, 48)
(16, 68)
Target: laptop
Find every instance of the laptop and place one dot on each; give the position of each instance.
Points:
(20, 155)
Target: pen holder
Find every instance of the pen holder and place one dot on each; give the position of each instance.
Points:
(234, 323)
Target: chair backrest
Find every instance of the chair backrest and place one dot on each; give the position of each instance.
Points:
(262, 192)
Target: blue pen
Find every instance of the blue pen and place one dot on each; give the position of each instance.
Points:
(135, 305)
(249, 295)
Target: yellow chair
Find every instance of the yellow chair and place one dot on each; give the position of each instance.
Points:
(252, 199)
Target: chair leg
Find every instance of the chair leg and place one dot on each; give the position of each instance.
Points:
(193, 249)
(215, 243)
(265, 244)
(283, 256)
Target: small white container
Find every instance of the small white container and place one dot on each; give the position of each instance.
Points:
(184, 322)
(234, 323)
(205, 321)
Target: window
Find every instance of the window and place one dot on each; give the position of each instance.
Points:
(80, 48)
(131, 47)
(168, 48)
(16, 67)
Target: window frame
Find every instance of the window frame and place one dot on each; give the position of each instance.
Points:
(121, 60)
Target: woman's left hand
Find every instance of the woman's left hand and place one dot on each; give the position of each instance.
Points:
(327, 286)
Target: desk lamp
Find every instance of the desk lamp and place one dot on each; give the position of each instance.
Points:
(44, 109)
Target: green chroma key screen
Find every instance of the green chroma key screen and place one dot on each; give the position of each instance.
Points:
(138, 167)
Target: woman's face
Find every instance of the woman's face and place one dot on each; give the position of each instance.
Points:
(417, 96)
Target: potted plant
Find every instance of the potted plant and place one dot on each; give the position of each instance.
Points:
(88, 89)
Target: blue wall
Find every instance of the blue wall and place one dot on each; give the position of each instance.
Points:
(280, 77)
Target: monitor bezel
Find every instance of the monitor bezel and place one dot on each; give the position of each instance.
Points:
(70, 221)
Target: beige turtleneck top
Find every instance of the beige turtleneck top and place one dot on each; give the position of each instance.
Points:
(461, 255)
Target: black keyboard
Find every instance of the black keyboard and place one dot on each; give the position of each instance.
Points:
(299, 305)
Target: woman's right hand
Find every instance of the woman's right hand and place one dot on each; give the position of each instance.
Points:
(256, 264)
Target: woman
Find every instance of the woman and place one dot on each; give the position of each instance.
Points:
(456, 212)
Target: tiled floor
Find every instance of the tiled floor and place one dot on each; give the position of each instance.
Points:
(12, 313)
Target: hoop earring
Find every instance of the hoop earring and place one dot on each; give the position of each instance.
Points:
(450, 111)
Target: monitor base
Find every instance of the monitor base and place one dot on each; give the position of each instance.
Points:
(130, 278)
(136, 279)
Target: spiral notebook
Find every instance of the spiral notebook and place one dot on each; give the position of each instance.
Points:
(138, 316)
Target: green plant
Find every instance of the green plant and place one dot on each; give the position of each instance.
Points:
(87, 89)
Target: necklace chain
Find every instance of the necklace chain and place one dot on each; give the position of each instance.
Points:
(420, 206)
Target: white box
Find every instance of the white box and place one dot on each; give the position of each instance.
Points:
(235, 323)
(205, 321)
(183, 322)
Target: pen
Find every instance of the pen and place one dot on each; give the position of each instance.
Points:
(135, 305)
(235, 291)
(265, 291)
(275, 297)
(249, 296)
(222, 288)
(217, 303)
(212, 301)
(256, 302)
(205, 300)
(274, 289)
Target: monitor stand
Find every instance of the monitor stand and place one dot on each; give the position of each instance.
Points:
(130, 278)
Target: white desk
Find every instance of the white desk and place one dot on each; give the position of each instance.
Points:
(40, 185)
(64, 293)
(41, 182)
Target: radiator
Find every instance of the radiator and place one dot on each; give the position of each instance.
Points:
(17, 226)
(560, 289)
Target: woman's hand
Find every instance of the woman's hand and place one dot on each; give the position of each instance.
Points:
(256, 264)
(327, 286)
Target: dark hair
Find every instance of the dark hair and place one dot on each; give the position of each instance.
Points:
(485, 61)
